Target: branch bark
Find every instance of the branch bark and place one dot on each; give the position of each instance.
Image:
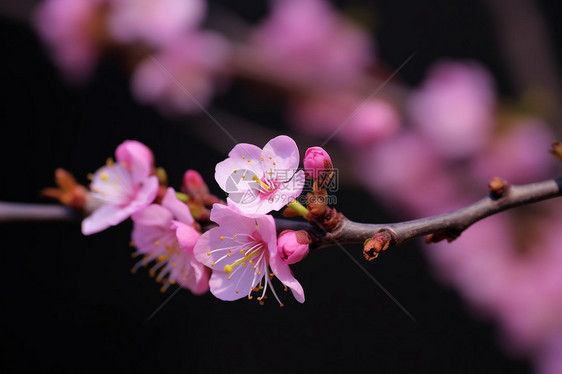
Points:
(453, 222)
(349, 231)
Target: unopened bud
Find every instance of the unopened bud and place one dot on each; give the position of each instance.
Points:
(194, 185)
(318, 164)
(292, 246)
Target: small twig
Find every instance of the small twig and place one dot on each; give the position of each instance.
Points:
(24, 212)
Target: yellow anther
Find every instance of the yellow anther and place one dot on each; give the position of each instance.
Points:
(229, 277)
(110, 163)
(234, 239)
(213, 264)
(222, 237)
(208, 253)
(228, 269)
(243, 157)
(261, 159)
(230, 250)
(90, 176)
(157, 243)
(270, 157)
(103, 176)
(184, 279)
(243, 176)
(237, 291)
(235, 171)
(162, 257)
(173, 265)
(259, 272)
(172, 281)
(242, 251)
(274, 163)
(281, 305)
(228, 254)
(250, 297)
(249, 160)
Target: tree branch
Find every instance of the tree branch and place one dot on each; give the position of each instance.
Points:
(452, 223)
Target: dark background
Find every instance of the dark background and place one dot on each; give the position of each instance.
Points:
(70, 303)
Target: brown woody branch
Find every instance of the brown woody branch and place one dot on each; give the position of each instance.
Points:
(444, 226)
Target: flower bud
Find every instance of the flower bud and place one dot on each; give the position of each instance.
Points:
(194, 185)
(292, 246)
(317, 163)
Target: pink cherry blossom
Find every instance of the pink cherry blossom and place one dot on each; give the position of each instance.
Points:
(183, 76)
(354, 122)
(71, 29)
(242, 252)
(153, 21)
(518, 155)
(122, 188)
(293, 246)
(164, 233)
(259, 181)
(307, 41)
(454, 108)
(316, 161)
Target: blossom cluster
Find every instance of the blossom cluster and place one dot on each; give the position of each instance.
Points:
(242, 254)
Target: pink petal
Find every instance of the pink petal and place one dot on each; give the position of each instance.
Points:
(283, 151)
(104, 217)
(230, 218)
(202, 247)
(225, 289)
(153, 215)
(146, 194)
(178, 208)
(284, 274)
(197, 280)
(187, 236)
(137, 157)
(242, 157)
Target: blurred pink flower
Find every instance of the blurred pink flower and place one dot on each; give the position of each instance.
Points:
(354, 123)
(241, 251)
(164, 233)
(123, 188)
(259, 181)
(408, 174)
(183, 75)
(454, 108)
(307, 41)
(73, 31)
(156, 22)
(518, 155)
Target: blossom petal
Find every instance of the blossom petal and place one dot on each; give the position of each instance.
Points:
(137, 157)
(153, 215)
(187, 236)
(146, 194)
(197, 280)
(178, 208)
(242, 157)
(104, 217)
(242, 280)
(285, 275)
(284, 154)
(232, 219)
